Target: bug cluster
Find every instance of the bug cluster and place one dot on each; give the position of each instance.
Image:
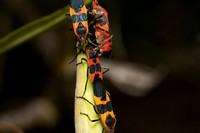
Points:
(92, 26)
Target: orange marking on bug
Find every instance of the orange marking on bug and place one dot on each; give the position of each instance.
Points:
(98, 101)
(92, 77)
(103, 119)
(90, 63)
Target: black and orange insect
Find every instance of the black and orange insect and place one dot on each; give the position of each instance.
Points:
(104, 106)
(101, 97)
(78, 14)
(102, 29)
(94, 65)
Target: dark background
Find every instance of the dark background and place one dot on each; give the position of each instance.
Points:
(145, 32)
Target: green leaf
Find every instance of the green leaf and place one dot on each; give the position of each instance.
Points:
(34, 29)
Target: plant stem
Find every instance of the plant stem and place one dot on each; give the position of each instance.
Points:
(82, 123)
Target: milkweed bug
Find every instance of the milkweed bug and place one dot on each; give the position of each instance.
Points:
(103, 36)
(103, 106)
(78, 14)
(101, 97)
(94, 65)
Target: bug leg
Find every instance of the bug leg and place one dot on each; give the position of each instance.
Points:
(89, 33)
(108, 93)
(82, 59)
(75, 57)
(89, 117)
(82, 97)
(89, 103)
(92, 22)
(107, 69)
(104, 30)
(92, 42)
(102, 34)
(98, 48)
(68, 15)
(86, 80)
(77, 46)
(103, 130)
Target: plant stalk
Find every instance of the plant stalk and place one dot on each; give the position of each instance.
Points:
(82, 123)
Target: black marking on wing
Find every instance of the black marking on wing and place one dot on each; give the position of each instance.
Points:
(92, 69)
(110, 121)
(79, 18)
(104, 108)
(99, 89)
(96, 77)
(91, 55)
(98, 67)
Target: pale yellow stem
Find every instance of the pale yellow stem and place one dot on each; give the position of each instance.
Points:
(82, 123)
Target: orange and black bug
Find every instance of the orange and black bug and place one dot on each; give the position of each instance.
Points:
(94, 65)
(78, 14)
(101, 97)
(102, 30)
(103, 106)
